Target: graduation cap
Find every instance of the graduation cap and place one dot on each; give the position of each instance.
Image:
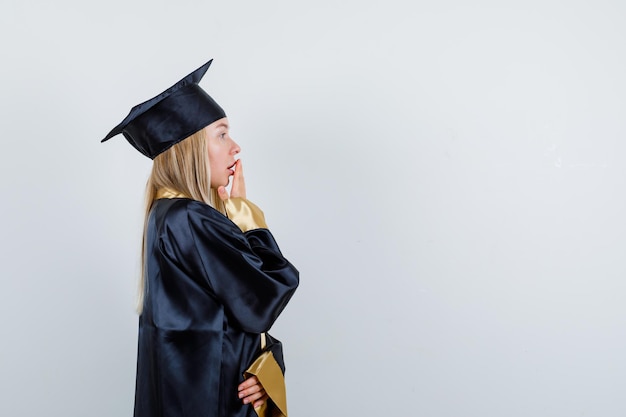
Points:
(161, 122)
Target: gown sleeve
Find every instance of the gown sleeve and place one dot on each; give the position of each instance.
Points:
(245, 269)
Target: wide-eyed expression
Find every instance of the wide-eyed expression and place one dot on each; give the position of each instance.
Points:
(222, 151)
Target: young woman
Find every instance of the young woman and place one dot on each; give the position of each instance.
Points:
(213, 280)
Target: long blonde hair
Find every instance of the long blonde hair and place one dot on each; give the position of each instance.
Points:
(183, 169)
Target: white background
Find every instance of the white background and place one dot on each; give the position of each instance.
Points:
(448, 177)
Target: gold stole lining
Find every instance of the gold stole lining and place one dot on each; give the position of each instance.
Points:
(245, 214)
(167, 193)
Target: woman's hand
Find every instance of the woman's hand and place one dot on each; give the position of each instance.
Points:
(252, 392)
(238, 188)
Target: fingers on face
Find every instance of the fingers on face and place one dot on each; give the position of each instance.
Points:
(239, 170)
(239, 186)
(223, 194)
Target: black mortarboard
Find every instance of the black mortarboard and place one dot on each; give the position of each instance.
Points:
(180, 111)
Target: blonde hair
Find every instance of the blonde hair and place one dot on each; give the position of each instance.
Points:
(183, 169)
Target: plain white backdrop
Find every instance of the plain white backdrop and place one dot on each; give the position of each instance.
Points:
(448, 177)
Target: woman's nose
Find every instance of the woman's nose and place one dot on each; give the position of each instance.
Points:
(236, 149)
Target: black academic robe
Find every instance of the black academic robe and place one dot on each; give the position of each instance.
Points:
(211, 289)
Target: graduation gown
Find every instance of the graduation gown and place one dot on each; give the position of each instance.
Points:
(212, 285)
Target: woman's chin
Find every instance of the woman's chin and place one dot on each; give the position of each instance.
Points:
(218, 184)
